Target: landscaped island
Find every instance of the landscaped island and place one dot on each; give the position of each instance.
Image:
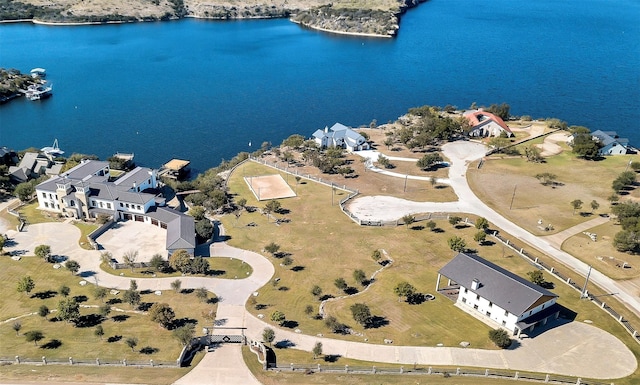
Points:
(370, 18)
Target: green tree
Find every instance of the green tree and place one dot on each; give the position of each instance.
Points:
(272, 248)
(384, 161)
(184, 334)
(536, 277)
(428, 161)
(454, 220)
(273, 206)
(242, 202)
(404, 289)
(293, 141)
(204, 229)
(197, 212)
(16, 326)
(431, 225)
(132, 296)
(25, 284)
(408, 220)
(308, 310)
(627, 241)
(24, 191)
(176, 285)
(131, 342)
(162, 313)
(533, 154)
(198, 265)
(180, 260)
(130, 258)
(376, 255)
(317, 350)
(482, 223)
(98, 332)
(158, 263)
(360, 277)
(480, 237)
(340, 283)
(44, 252)
(104, 310)
(594, 205)
(72, 266)
(457, 244)
(34, 336)
(576, 204)
(361, 313)
(316, 290)
(546, 178)
(43, 311)
(585, 146)
(278, 317)
(64, 291)
(3, 241)
(68, 310)
(500, 337)
(268, 335)
(332, 323)
(635, 166)
(202, 294)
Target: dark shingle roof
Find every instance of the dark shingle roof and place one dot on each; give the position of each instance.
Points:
(181, 228)
(505, 289)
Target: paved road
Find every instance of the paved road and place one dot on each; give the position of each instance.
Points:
(461, 154)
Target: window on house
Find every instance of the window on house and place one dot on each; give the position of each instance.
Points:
(44, 195)
(506, 313)
(121, 205)
(138, 207)
(475, 307)
(504, 323)
(46, 205)
(465, 290)
(72, 203)
(108, 205)
(490, 304)
(477, 296)
(464, 300)
(127, 205)
(488, 314)
(542, 306)
(50, 195)
(100, 204)
(93, 203)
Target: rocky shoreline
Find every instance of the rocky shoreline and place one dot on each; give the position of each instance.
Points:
(332, 18)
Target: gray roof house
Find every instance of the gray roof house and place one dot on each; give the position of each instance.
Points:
(342, 136)
(86, 191)
(611, 143)
(33, 165)
(494, 293)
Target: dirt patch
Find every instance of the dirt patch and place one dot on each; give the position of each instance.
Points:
(268, 187)
(550, 145)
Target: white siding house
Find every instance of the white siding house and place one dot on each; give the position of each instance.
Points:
(499, 295)
(342, 136)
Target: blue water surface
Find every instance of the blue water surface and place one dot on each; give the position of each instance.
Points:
(202, 90)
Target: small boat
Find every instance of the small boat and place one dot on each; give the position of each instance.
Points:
(39, 73)
(53, 150)
(38, 91)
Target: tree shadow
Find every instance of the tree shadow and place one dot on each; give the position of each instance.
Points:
(120, 318)
(44, 294)
(488, 243)
(261, 306)
(417, 228)
(283, 288)
(180, 322)
(351, 290)
(416, 299)
(113, 339)
(186, 291)
(213, 300)
(289, 324)
(88, 321)
(332, 357)
(149, 350)
(53, 344)
(297, 268)
(438, 230)
(326, 297)
(87, 273)
(146, 292)
(80, 298)
(377, 322)
(114, 301)
(144, 306)
(284, 344)
(216, 272)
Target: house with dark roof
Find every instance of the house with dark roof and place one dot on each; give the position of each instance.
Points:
(610, 143)
(493, 293)
(484, 123)
(86, 191)
(341, 136)
(33, 165)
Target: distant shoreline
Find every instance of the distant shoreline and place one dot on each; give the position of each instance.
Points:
(342, 32)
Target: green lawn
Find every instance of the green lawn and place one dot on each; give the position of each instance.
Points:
(228, 268)
(326, 245)
(80, 342)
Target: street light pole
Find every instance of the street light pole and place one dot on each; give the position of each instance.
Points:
(584, 288)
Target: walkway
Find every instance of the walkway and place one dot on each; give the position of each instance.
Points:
(558, 239)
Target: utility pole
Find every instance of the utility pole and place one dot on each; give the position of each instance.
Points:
(405, 183)
(513, 196)
(584, 288)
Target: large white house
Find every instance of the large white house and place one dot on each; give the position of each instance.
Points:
(611, 143)
(85, 191)
(491, 292)
(341, 136)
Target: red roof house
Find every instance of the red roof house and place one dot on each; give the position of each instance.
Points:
(485, 123)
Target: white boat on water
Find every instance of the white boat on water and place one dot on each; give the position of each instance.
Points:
(39, 73)
(38, 91)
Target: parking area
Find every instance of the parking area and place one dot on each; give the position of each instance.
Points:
(130, 235)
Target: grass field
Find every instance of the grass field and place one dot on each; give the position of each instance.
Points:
(228, 268)
(498, 179)
(80, 342)
(417, 255)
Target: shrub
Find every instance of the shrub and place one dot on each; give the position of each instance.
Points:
(500, 337)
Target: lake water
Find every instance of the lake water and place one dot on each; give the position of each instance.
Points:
(202, 90)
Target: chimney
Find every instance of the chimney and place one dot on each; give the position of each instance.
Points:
(475, 284)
